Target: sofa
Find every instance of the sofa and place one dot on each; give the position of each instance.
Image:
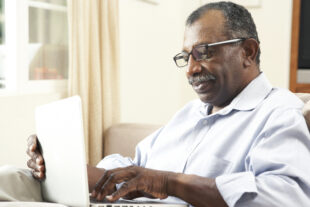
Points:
(132, 133)
(122, 138)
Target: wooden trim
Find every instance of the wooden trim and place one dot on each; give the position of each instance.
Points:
(302, 88)
(295, 45)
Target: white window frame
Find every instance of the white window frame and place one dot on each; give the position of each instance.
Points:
(16, 44)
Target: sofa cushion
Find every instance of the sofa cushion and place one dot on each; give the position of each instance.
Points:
(306, 113)
(17, 184)
(305, 97)
(123, 138)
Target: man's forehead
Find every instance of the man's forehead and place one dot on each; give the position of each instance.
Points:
(207, 29)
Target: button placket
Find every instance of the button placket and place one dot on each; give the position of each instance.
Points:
(201, 129)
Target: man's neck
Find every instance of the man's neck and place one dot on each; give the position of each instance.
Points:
(215, 109)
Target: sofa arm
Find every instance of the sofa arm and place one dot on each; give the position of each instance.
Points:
(305, 97)
(123, 138)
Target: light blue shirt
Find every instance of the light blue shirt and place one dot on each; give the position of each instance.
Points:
(257, 148)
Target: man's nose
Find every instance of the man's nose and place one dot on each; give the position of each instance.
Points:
(193, 67)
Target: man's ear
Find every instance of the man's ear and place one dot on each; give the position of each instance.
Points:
(250, 47)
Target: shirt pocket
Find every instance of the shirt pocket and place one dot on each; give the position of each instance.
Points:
(209, 166)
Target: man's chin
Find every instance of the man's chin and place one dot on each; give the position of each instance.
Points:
(214, 100)
(211, 99)
(206, 98)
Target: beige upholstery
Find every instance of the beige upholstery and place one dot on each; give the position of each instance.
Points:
(123, 138)
(305, 97)
(17, 184)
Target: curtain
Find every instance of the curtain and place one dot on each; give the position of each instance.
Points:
(94, 67)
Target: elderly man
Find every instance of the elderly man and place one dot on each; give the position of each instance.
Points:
(244, 143)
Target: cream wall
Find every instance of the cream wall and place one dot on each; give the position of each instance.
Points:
(17, 123)
(152, 88)
(273, 20)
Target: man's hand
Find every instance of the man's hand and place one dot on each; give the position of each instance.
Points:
(136, 181)
(36, 161)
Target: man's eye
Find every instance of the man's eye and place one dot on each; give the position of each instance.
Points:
(202, 49)
(210, 53)
(202, 52)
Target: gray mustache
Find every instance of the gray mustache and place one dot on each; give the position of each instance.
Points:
(200, 78)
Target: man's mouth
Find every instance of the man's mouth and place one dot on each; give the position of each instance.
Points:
(201, 83)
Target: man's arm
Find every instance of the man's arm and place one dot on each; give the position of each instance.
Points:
(196, 190)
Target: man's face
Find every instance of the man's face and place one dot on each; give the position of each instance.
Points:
(219, 78)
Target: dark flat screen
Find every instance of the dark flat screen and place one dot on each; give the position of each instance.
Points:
(304, 36)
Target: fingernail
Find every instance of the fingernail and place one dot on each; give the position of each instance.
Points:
(109, 197)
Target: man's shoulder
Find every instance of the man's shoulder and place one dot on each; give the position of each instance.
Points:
(283, 98)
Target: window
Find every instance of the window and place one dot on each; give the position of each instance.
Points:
(48, 42)
(36, 54)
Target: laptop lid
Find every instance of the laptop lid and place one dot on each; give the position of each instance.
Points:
(59, 127)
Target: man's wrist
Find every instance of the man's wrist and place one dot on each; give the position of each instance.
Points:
(172, 183)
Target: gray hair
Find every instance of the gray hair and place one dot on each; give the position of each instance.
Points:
(239, 22)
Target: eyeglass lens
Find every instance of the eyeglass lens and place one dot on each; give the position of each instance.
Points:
(181, 59)
(199, 53)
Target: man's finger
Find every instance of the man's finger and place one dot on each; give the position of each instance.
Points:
(32, 142)
(110, 184)
(109, 180)
(30, 164)
(133, 195)
(39, 160)
(37, 171)
(37, 167)
(39, 175)
(100, 183)
(35, 156)
(31, 153)
(126, 188)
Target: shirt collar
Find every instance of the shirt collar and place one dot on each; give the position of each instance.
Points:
(253, 94)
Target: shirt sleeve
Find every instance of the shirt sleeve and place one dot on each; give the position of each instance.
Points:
(141, 155)
(277, 166)
(114, 161)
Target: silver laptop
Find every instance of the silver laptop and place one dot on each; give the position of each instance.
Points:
(59, 127)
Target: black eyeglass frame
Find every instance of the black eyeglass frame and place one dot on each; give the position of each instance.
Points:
(175, 58)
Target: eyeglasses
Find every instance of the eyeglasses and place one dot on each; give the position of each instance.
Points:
(200, 52)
